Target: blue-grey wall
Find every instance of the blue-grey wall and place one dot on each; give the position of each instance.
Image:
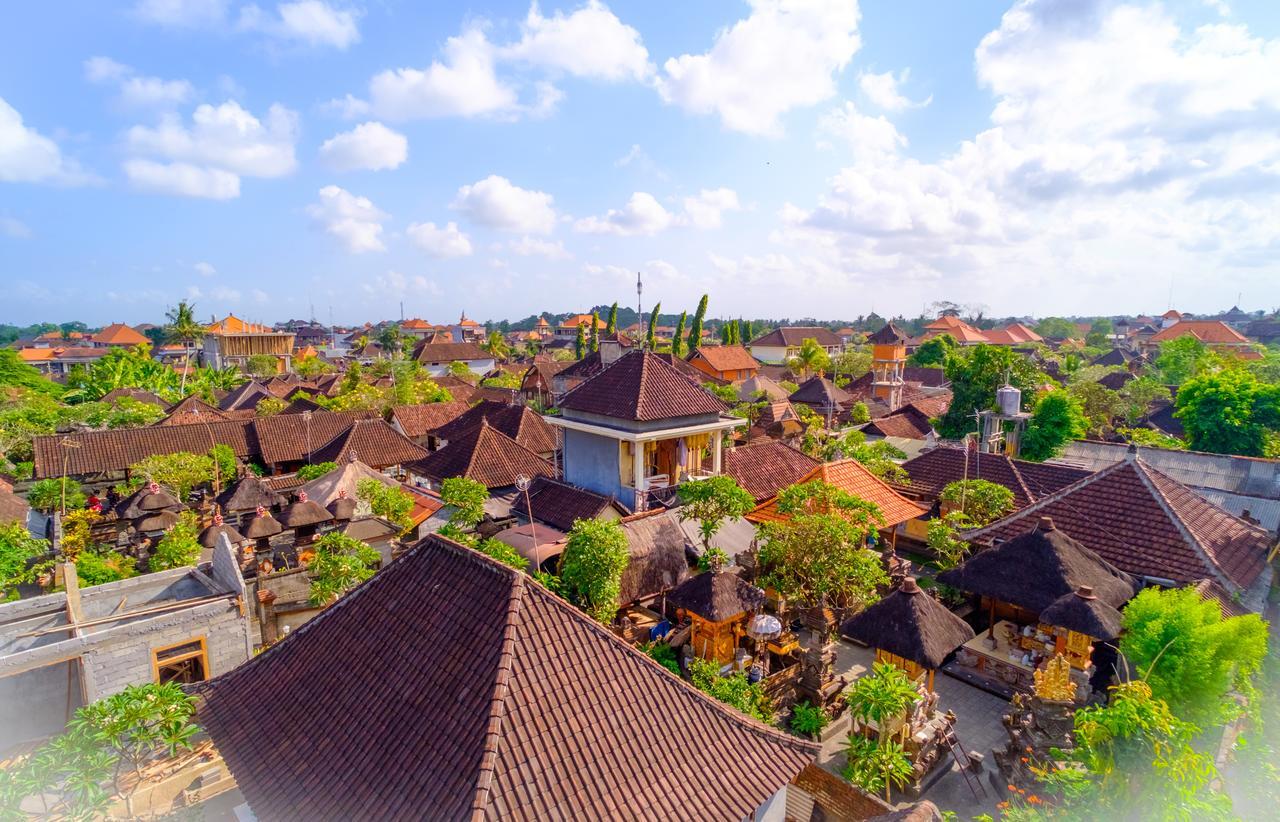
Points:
(591, 461)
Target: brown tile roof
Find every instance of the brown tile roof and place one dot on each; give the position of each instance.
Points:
(890, 334)
(560, 504)
(290, 437)
(934, 469)
(519, 422)
(372, 442)
(483, 454)
(541, 373)
(245, 395)
(1206, 331)
(927, 375)
(782, 337)
(851, 477)
(820, 391)
(765, 467)
(545, 718)
(421, 420)
(13, 508)
(908, 423)
(727, 357)
(119, 334)
(429, 352)
(1148, 524)
(192, 409)
(640, 386)
(102, 451)
(460, 389)
(134, 394)
(748, 390)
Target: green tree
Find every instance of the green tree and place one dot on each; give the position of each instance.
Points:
(878, 698)
(18, 551)
(47, 495)
(734, 690)
(810, 359)
(225, 463)
(179, 546)
(678, 347)
(496, 549)
(1138, 395)
(651, 336)
(595, 331)
(263, 365)
(1099, 404)
(467, 498)
(612, 327)
(1151, 438)
(391, 502)
(311, 367)
(496, 346)
(981, 501)
(933, 352)
(850, 364)
(818, 554)
(591, 567)
(309, 472)
(580, 342)
(975, 374)
(101, 755)
(880, 458)
(695, 329)
(181, 472)
(14, 373)
(269, 407)
(96, 569)
(1179, 643)
(710, 502)
(1184, 358)
(942, 537)
(1056, 421)
(462, 371)
(340, 564)
(183, 329)
(1057, 328)
(1230, 412)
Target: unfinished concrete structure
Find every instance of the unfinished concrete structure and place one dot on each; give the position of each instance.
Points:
(64, 650)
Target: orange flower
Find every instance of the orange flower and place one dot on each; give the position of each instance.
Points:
(1011, 787)
(1024, 759)
(1002, 805)
(1033, 799)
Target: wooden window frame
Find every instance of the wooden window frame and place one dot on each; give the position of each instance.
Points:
(202, 655)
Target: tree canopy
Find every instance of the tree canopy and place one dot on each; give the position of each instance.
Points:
(340, 564)
(934, 352)
(711, 501)
(591, 567)
(975, 374)
(1230, 412)
(1056, 421)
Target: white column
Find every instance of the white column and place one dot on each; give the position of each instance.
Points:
(718, 444)
(637, 466)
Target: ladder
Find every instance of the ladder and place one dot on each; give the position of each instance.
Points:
(952, 743)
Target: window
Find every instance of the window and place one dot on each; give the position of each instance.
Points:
(185, 663)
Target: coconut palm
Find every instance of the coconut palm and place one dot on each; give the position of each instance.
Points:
(185, 329)
(497, 346)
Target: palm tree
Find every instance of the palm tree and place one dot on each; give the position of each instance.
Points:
(183, 328)
(497, 346)
(810, 358)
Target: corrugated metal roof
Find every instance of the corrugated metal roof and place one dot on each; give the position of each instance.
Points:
(1249, 476)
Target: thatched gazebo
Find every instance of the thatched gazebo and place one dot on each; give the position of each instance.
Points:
(209, 536)
(304, 515)
(262, 528)
(343, 507)
(155, 521)
(909, 629)
(718, 603)
(131, 507)
(249, 494)
(1085, 618)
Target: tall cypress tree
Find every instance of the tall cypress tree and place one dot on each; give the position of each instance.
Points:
(595, 331)
(677, 342)
(651, 339)
(695, 331)
(613, 320)
(726, 334)
(580, 344)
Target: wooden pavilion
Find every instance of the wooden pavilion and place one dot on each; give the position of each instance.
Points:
(718, 603)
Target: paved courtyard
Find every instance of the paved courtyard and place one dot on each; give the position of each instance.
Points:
(977, 727)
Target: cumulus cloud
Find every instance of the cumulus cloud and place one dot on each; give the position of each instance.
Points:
(135, 89)
(534, 247)
(642, 214)
(369, 146)
(445, 241)
(784, 55)
(27, 156)
(307, 22)
(706, 209)
(205, 269)
(208, 158)
(181, 13)
(352, 219)
(590, 42)
(882, 91)
(396, 284)
(496, 203)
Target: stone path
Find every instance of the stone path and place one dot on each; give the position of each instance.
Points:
(977, 727)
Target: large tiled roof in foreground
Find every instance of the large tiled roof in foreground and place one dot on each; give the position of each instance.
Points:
(641, 386)
(1148, 524)
(450, 686)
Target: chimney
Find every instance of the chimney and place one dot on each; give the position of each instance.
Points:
(1046, 524)
(610, 351)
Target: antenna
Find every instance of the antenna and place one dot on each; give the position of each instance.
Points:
(640, 298)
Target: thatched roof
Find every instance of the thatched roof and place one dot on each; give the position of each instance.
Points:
(263, 525)
(302, 512)
(910, 624)
(131, 506)
(155, 521)
(717, 595)
(209, 536)
(1082, 611)
(155, 498)
(249, 493)
(656, 546)
(1036, 568)
(343, 508)
(325, 488)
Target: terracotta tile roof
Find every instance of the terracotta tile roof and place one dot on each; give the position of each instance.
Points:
(765, 467)
(245, 395)
(231, 324)
(290, 437)
(550, 716)
(421, 420)
(483, 454)
(560, 504)
(933, 406)
(519, 422)
(849, 476)
(727, 358)
(1206, 331)
(796, 335)
(134, 394)
(934, 469)
(890, 334)
(119, 334)
(959, 330)
(1148, 524)
(116, 450)
(820, 391)
(1209, 589)
(640, 386)
(13, 508)
(909, 423)
(459, 389)
(542, 371)
(430, 352)
(748, 390)
(182, 412)
(372, 442)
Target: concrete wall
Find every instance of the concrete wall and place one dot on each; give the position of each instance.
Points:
(37, 703)
(591, 461)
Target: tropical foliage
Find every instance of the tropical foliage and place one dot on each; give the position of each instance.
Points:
(18, 552)
(309, 472)
(591, 567)
(1231, 412)
(180, 472)
(877, 698)
(340, 564)
(391, 502)
(981, 501)
(47, 494)
(1057, 420)
(178, 546)
(710, 502)
(735, 690)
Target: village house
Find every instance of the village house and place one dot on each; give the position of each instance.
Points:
(731, 363)
(232, 341)
(118, 335)
(781, 344)
(57, 362)
(436, 357)
(422, 423)
(1215, 334)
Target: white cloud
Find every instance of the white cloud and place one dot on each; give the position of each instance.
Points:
(590, 42)
(308, 22)
(785, 55)
(354, 220)
(137, 90)
(370, 146)
(465, 84)
(642, 214)
(182, 179)
(225, 294)
(882, 91)
(259, 296)
(205, 269)
(705, 210)
(396, 284)
(181, 13)
(496, 203)
(445, 241)
(865, 135)
(15, 228)
(27, 156)
(533, 247)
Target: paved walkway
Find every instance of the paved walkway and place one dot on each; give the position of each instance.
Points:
(977, 727)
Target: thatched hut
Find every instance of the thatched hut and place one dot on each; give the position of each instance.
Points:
(718, 603)
(262, 528)
(343, 507)
(209, 536)
(249, 494)
(909, 629)
(656, 549)
(155, 522)
(304, 515)
(1083, 612)
(130, 508)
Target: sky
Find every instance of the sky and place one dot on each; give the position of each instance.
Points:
(790, 158)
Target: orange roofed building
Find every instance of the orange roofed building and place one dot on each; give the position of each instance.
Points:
(232, 341)
(965, 334)
(1214, 333)
(731, 363)
(117, 335)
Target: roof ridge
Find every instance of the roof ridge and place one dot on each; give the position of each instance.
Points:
(498, 702)
(1046, 500)
(1017, 474)
(1220, 576)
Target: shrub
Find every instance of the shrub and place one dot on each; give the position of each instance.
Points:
(663, 654)
(179, 546)
(503, 553)
(309, 472)
(46, 495)
(808, 719)
(391, 502)
(591, 567)
(340, 564)
(734, 690)
(95, 569)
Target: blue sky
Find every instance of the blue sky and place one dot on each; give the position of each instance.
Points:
(791, 158)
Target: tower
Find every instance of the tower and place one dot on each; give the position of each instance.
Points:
(888, 362)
